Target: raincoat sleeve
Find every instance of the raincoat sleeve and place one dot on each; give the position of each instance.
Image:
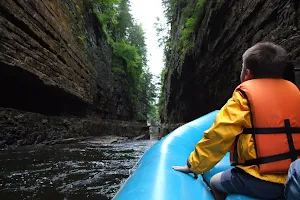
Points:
(217, 140)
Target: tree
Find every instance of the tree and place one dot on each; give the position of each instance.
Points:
(150, 89)
(169, 7)
(127, 38)
(136, 37)
(124, 19)
(163, 34)
(106, 12)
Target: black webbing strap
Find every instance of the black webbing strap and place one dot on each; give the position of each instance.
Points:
(234, 161)
(289, 136)
(271, 130)
(269, 159)
(288, 130)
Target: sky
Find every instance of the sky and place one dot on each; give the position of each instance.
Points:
(145, 12)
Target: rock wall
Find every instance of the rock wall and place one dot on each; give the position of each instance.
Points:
(36, 37)
(202, 79)
(25, 128)
(55, 61)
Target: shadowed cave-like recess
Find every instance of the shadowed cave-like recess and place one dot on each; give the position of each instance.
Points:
(24, 91)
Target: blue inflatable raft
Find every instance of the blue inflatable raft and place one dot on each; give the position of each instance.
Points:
(154, 178)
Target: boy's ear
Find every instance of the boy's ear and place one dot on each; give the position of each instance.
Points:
(248, 75)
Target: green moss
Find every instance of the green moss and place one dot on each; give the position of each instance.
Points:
(107, 16)
(78, 8)
(190, 26)
(161, 100)
(130, 54)
(164, 73)
(118, 70)
(76, 23)
(187, 32)
(82, 38)
(101, 21)
(67, 6)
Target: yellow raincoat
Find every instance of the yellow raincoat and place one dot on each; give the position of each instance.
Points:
(217, 140)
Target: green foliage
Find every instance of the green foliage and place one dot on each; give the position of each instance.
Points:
(163, 31)
(118, 70)
(163, 34)
(106, 12)
(124, 19)
(164, 73)
(128, 52)
(186, 33)
(82, 38)
(162, 94)
(78, 9)
(101, 20)
(128, 41)
(150, 88)
(153, 114)
(190, 26)
(133, 61)
(169, 7)
(192, 15)
(136, 37)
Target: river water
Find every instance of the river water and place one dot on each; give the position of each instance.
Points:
(93, 169)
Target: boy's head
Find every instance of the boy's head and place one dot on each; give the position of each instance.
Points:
(263, 60)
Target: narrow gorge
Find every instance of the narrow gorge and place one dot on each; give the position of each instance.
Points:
(61, 76)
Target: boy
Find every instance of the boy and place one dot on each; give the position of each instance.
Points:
(256, 125)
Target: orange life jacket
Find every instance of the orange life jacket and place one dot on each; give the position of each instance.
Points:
(275, 117)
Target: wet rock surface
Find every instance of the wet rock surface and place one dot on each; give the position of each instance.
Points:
(25, 128)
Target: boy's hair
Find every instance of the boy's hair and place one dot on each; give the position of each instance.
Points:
(265, 60)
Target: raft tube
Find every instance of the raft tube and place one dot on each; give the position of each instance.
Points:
(154, 178)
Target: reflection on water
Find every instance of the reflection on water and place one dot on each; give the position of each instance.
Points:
(86, 170)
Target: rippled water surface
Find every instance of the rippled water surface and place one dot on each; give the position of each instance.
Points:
(92, 169)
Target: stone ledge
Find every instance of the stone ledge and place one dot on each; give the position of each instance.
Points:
(26, 128)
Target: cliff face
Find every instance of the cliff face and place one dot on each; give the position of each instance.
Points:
(202, 79)
(55, 60)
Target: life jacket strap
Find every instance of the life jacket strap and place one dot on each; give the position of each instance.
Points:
(294, 130)
(234, 161)
(287, 129)
(289, 136)
(272, 158)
